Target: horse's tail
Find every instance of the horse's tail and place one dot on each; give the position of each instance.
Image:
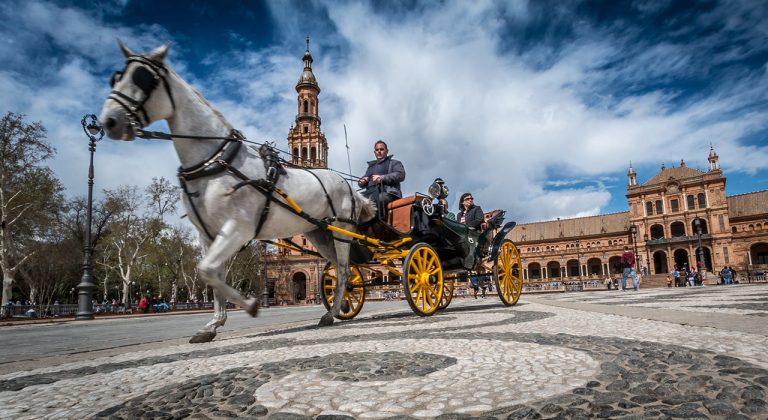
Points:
(367, 208)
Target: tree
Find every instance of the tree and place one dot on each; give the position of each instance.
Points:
(30, 195)
(138, 229)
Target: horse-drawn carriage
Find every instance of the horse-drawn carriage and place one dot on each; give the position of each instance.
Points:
(233, 194)
(427, 252)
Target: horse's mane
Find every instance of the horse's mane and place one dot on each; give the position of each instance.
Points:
(201, 97)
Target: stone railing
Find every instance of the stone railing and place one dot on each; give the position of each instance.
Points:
(676, 239)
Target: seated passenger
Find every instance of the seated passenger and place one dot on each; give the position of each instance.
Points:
(470, 214)
(382, 178)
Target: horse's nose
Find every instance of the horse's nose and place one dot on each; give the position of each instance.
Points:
(110, 123)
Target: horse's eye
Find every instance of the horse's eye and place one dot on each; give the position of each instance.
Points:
(115, 78)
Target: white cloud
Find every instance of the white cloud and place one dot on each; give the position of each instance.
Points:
(435, 83)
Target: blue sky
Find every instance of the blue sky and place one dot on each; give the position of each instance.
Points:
(536, 107)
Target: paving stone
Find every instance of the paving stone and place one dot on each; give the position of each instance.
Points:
(479, 360)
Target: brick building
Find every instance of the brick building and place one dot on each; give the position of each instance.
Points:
(662, 226)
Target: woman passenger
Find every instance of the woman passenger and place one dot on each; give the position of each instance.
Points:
(470, 214)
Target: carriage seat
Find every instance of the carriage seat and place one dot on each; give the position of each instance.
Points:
(399, 212)
(494, 218)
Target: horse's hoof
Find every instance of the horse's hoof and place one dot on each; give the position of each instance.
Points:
(344, 306)
(252, 307)
(202, 337)
(326, 320)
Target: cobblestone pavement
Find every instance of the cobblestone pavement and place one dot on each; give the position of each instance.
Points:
(477, 359)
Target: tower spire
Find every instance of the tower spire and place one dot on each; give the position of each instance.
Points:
(632, 176)
(713, 158)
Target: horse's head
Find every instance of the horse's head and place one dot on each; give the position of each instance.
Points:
(140, 94)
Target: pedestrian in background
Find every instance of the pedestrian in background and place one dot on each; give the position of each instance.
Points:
(628, 264)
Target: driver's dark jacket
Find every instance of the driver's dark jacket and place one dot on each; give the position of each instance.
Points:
(391, 171)
(475, 216)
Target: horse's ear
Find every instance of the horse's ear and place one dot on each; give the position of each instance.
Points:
(126, 52)
(159, 53)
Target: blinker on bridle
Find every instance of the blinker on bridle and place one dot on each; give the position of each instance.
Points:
(146, 77)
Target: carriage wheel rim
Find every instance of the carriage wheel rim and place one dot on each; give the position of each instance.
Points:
(424, 278)
(510, 286)
(354, 296)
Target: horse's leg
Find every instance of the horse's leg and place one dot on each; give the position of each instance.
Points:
(342, 276)
(323, 242)
(211, 269)
(208, 332)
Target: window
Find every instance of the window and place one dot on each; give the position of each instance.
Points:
(306, 106)
(649, 208)
(702, 201)
(725, 254)
(659, 207)
(674, 204)
(721, 221)
(733, 229)
(691, 203)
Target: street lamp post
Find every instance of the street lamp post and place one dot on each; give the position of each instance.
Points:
(578, 258)
(647, 254)
(265, 293)
(92, 129)
(700, 253)
(633, 230)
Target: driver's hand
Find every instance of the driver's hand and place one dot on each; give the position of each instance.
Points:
(363, 181)
(376, 179)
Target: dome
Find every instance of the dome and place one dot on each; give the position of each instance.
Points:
(307, 77)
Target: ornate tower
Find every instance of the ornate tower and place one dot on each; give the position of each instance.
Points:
(632, 176)
(713, 165)
(305, 140)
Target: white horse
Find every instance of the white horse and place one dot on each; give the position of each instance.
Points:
(215, 165)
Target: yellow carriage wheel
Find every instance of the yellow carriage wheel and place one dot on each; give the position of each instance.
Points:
(507, 273)
(448, 286)
(354, 296)
(423, 279)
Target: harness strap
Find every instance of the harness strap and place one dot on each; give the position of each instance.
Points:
(194, 208)
(215, 164)
(327, 197)
(121, 98)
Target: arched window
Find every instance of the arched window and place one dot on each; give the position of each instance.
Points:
(702, 201)
(295, 153)
(649, 208)
(306, 106)
(313, 154)
(677, 229)
(659, 207)
(691, 202)
(733, 229)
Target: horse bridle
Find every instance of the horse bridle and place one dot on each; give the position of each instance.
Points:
(146, 77)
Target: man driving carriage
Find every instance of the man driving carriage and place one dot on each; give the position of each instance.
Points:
(383, 177)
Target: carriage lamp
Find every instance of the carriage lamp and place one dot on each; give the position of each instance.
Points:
(438, 189)
(93, 130)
